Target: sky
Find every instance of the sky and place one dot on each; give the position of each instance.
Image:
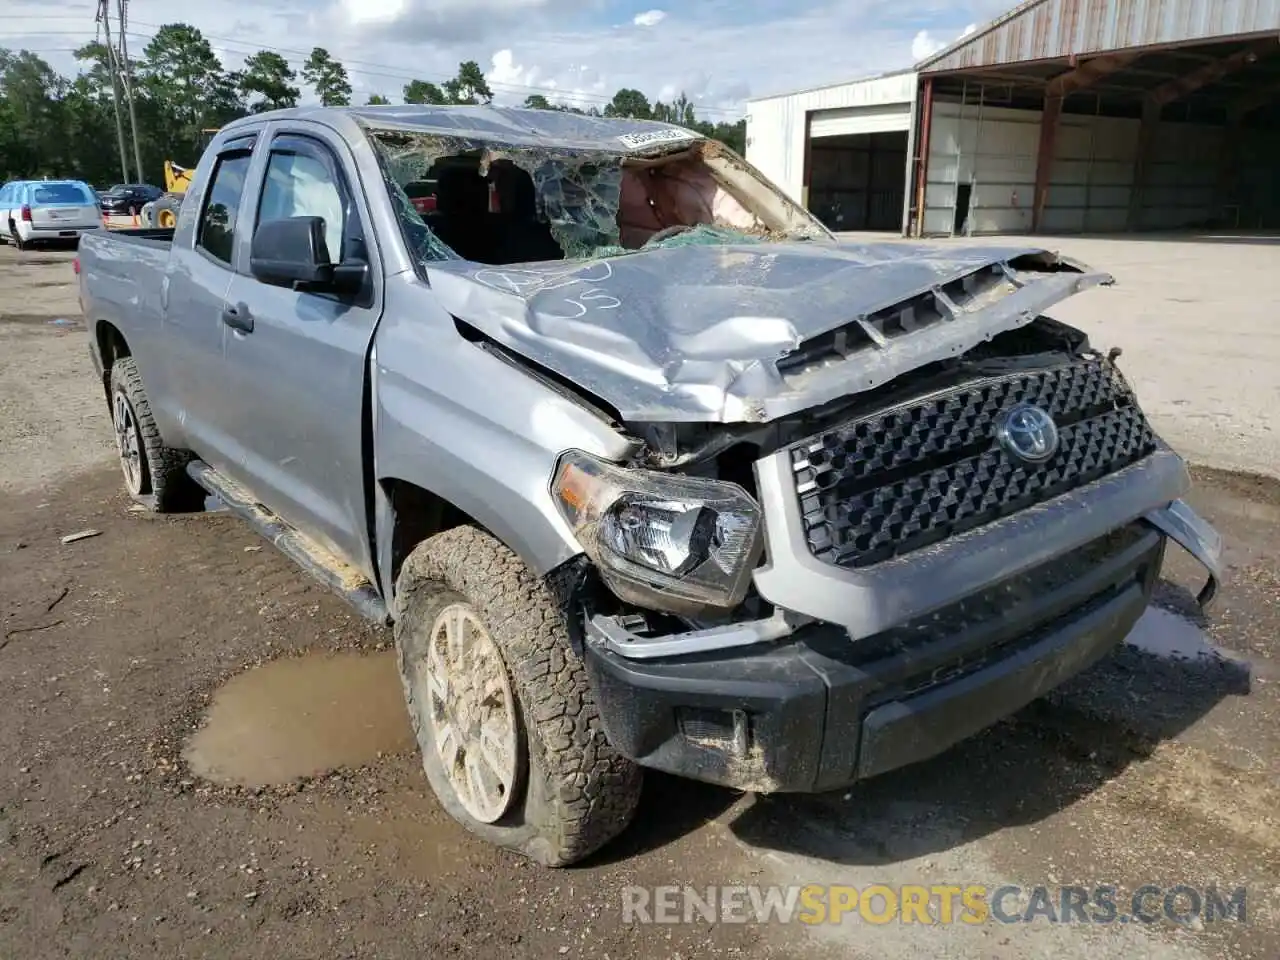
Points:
(717, 52)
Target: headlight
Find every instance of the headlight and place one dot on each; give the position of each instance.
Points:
(660, 540)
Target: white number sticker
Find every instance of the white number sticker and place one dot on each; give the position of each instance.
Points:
(634, 140)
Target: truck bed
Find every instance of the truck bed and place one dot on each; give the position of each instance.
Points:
(151, 236)
(121, 273)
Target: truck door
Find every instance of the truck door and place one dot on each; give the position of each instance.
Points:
(297, 362)
(184, 379)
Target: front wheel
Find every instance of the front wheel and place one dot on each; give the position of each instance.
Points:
(510, 736)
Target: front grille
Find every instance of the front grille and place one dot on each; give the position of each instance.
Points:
(918, 473)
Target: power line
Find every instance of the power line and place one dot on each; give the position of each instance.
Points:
(367, 68)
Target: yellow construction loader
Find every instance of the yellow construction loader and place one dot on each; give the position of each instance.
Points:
(164, 212)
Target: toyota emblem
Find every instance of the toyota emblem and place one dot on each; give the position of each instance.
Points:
(1028, 433)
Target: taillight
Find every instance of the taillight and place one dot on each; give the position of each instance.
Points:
(26, 213)
(75, 265)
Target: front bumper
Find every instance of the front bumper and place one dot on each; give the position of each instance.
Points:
(812, 710)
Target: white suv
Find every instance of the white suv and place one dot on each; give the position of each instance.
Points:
(39, 210)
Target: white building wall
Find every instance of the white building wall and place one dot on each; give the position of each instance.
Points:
(994, 150)
(776, 126)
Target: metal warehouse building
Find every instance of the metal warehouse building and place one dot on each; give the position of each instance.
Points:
(1062, 116)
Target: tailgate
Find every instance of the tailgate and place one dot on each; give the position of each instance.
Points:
(64, 217)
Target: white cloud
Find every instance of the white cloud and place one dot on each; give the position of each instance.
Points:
(650, 18)
(361, 12)
(925, 45)
(505, 72)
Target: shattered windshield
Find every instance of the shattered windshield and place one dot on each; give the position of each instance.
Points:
(502, 204)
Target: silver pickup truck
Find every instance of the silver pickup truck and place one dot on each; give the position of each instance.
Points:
(646, 468)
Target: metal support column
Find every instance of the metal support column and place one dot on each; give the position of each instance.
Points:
(922, 162)
(1142, 163)
(1044, 158)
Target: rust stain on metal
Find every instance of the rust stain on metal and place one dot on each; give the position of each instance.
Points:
(1052, 29)
(1015, 36)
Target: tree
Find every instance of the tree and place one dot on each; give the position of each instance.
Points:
(182, 90)
(678, 111)
(328, 78)
(268, 77)
(420, 91)
(376, 100)
(469, 86)
(184, 76)
(32, 93)
(52, 126)
(629, 103)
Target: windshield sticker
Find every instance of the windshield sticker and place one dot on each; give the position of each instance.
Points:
(635, 140)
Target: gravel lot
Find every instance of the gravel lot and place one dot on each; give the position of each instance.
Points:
(1161, 766)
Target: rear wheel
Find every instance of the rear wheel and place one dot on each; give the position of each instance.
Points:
(154, 475)
(511, 739)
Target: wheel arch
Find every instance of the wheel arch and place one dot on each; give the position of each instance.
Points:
(407, 513)
(111, 346)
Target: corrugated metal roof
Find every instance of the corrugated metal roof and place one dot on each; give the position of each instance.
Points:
(1051, 29)
(830, 86)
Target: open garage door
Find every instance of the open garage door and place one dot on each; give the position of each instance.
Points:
(1174, 137)
(881, 118)
(857, 181)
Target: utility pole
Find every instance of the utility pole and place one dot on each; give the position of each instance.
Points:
(128, 86)
(104, 21)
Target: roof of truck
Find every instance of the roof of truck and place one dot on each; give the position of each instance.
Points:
(492, 124)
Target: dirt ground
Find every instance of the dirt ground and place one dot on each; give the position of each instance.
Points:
(119, 652)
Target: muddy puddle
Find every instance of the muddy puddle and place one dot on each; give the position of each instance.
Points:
(302, 716)
(1164, 634)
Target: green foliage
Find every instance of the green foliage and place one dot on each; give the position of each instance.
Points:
(469, 86)
(328, 78)
(376, 100)
(629, 103)
(420, 91)
(267, 82)
(58, 127)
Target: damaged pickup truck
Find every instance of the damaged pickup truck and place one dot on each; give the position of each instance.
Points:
(645, 467)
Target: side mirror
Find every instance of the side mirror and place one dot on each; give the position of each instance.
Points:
(291, 253)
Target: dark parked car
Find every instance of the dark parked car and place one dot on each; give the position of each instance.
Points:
(127, 199)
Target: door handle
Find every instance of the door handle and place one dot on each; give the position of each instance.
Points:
(237, 317)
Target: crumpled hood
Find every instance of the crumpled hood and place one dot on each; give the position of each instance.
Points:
(694, 333)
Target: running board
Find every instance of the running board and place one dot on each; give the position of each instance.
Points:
(334, 572)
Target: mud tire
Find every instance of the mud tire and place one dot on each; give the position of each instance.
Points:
(575, 792)
(165, 487)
